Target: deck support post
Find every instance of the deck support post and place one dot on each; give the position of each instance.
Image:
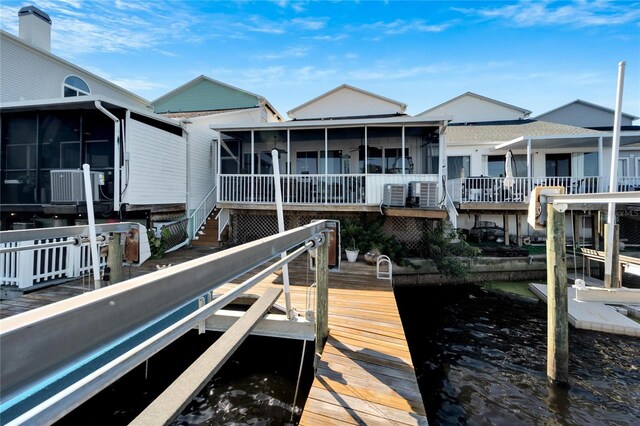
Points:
(322, 297)
(557, 303)
(114, 259)
(505, 221)
(519, 230)
(612, 280)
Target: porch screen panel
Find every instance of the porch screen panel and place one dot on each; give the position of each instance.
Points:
(343, 146)
(265, 141)
(235, 153)
(381, 140)
(305, 145)
(19, 158)
(427, 143)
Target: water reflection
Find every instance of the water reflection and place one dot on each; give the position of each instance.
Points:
(481, 358)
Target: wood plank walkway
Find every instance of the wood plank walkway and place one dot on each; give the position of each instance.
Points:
(365, 374)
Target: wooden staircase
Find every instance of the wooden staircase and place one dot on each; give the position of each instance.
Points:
(209, 236)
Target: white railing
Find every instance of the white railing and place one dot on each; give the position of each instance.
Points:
(223, 221)
(494, 189)
(27, 268)
(336, 189)
(200, 213)
(628, 183)
(23, 264)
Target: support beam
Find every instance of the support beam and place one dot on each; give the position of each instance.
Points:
(518, 230)
(612, 280)
(177, 396)
(114, 260)
(557, 303)
(505, 221)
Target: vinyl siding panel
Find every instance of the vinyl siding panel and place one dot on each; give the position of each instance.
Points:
(157, 166)
(581, 115)
(205, 96)
(28, 74)
(346, 103)
(202, 163)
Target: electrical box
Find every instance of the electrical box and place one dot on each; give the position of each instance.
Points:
(537, 216)
(394, 195)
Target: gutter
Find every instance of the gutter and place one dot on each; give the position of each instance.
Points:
(116, 155)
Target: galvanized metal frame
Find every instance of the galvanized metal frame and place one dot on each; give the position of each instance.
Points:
(38, 343)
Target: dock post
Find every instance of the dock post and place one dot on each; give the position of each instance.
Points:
(557, 303)
(322, 297)
(114, 259)
(613, 280)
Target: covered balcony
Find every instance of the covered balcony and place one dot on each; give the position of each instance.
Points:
(331, 164)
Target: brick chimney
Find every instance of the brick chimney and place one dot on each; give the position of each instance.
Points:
(35, 27)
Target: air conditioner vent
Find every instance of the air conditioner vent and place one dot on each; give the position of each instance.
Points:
(394, 195)
(67, 186)
(424, 194)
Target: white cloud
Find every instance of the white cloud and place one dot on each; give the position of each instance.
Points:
(290, 52)
(332, 37)
(309, 23)
(576, 14)
(401, 26)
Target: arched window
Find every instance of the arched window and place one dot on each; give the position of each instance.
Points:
(75, 86)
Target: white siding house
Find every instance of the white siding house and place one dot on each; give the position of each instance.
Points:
(473, 108)
(347, 101)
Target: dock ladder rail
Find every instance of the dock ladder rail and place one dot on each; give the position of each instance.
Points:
(381, 273)
(99, 329)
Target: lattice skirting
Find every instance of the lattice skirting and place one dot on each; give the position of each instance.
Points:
(250, 226)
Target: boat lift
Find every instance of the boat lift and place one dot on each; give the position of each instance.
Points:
(58, 356)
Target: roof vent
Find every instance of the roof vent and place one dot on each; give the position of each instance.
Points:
(35, 27)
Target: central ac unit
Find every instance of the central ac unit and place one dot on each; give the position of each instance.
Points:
(394, 195)
(67, 186)
(424, 194)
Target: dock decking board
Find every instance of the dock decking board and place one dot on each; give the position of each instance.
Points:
(365, 374)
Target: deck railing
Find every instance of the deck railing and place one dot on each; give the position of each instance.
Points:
(65, 253)
(335, 189)
(517, 190)
(200, 213)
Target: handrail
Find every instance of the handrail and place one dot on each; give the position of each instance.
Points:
(200, 213)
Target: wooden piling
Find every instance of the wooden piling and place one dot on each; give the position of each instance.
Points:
(557, 303)
(322, 297)
(613, 280)
(114, 259)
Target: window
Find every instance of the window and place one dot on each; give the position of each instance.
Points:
(456, 164)
(75, 86)
(638, 166)
(307, 162)
(623, 167)
(558, 164)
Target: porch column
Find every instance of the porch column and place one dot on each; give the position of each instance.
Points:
(442, 152)
(366, 150)
(218, 165)
(529, 174)
(288, 165)
(600, 165)
(402, 150)
(253, 190)
(326, 164)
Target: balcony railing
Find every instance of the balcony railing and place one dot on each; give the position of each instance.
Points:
(517, 190)
(338, 189)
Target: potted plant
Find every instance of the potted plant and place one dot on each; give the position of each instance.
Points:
(352, 251)
(351, 230)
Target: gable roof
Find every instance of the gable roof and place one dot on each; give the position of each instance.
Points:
(590, 105)
(526, 112)
(508, 130)
(207, 94)
(402, 106)
(53, 57)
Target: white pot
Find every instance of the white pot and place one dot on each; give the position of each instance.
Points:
(352, 255)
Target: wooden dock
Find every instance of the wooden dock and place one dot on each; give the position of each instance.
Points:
(365, 374)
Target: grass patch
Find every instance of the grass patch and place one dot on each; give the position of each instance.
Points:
(520, 288)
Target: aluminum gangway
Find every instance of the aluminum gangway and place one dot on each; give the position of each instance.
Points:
(56, 357)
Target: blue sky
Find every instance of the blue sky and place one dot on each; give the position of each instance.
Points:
(535, 55)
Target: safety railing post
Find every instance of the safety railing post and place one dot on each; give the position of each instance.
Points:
(322, 298)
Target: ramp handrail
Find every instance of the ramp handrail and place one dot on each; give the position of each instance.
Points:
(201, 212)
(30, 346)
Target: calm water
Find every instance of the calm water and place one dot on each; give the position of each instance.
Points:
(255, 387)
(481, 359)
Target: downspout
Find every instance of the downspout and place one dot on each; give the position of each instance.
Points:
(116, 155)
(442, 152)
(601, 164)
